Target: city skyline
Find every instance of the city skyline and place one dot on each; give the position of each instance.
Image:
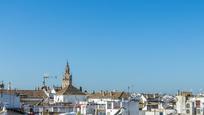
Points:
(148, 46)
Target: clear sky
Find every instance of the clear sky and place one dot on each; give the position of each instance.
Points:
(110, 44)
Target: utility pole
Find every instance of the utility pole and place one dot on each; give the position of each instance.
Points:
(46, 77)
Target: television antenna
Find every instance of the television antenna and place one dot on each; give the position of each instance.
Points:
(46, 76)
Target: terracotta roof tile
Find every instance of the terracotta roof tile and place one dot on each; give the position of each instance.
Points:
(27, 93)
(111, 95)
(70, 90)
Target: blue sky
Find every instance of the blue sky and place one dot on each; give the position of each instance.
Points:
(147, 45)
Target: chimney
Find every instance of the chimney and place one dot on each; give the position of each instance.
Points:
(104, 93)
(80, 88)
(2, 85)
(111, 93)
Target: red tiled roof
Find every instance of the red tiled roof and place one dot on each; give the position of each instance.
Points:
(27, 93)
(111, 95)
(70, 90)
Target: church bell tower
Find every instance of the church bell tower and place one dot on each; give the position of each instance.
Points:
(67, 80)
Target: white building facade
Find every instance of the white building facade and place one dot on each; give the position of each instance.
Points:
(10, 100)
(109, 104)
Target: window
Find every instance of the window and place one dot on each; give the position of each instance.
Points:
(116, 105)
(197, 103)
(188, 111)
(101, 106)
(109, 105)
(187, 105)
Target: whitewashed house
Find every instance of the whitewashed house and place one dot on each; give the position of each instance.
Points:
(195, 105)
(190, 108)
(70, 94)
(109, 103)
(181, 104)
(182, 99)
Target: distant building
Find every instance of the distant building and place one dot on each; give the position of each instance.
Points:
(69, 93)
(109, 103)
(157, 104)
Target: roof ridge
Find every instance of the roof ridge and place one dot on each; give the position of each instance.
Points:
(70, 90)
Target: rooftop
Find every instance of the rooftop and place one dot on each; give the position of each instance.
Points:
(110, 95)
(70, 90)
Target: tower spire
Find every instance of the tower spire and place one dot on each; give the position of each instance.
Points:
(67, 70)
(67, 80)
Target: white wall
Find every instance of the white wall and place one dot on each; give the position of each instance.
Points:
(100, 101)
(10, 101)
(132, 107)
(150, 113)
(58, 98)
(189, 108)
(74, 99)
(88, 108)
(181, 104)
(201, 108)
